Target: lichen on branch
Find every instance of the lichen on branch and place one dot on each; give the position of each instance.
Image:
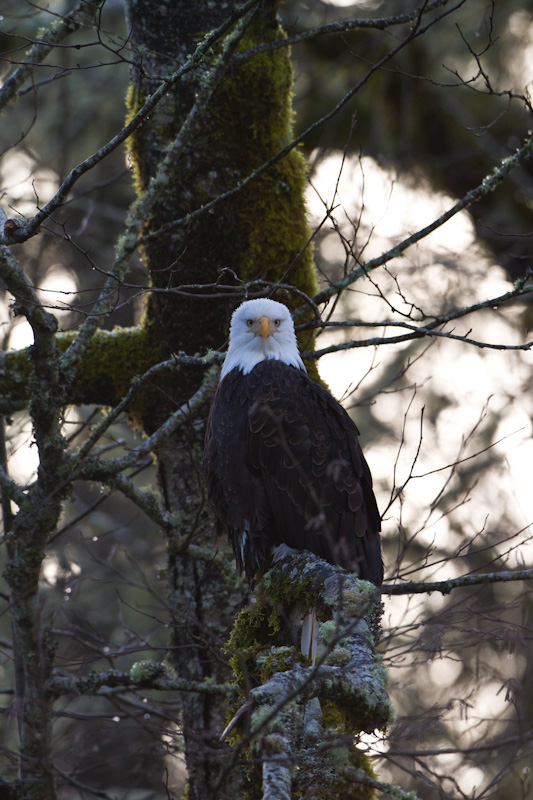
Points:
(278, 686)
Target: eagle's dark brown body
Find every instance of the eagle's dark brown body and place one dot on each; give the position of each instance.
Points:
(284, 466)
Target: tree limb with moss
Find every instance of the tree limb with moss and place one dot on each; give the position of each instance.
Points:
(298, 712)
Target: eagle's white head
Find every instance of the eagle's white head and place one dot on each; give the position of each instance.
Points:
(261, 329)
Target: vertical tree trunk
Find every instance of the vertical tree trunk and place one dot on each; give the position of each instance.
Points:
(259, 232)
(38, 514)
(204, 597)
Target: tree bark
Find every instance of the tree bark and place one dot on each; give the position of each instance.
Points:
(38, 514)
(260, 231)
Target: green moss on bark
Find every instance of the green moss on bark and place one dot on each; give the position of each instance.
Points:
(112, 360)
(260, 642)
(261, 232)
(15, 370)
(104, 376)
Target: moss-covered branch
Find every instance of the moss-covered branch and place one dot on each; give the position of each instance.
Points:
(347, 679)
(112, 361)
(143, 674)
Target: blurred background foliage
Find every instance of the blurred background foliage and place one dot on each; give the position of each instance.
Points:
(446, 427)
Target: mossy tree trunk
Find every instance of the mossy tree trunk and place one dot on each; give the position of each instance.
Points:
(259, 232)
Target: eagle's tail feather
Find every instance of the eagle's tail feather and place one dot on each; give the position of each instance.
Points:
(309, 637)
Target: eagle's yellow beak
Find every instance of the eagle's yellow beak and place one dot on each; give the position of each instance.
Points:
(263, 323)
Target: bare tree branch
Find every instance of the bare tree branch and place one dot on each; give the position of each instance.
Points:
(445, 587)
(60, 28)
(488, 184)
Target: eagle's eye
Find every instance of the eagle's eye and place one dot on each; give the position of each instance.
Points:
(249, 322)
(277, 322)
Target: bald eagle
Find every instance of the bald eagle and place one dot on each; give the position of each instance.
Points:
(283, 463)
